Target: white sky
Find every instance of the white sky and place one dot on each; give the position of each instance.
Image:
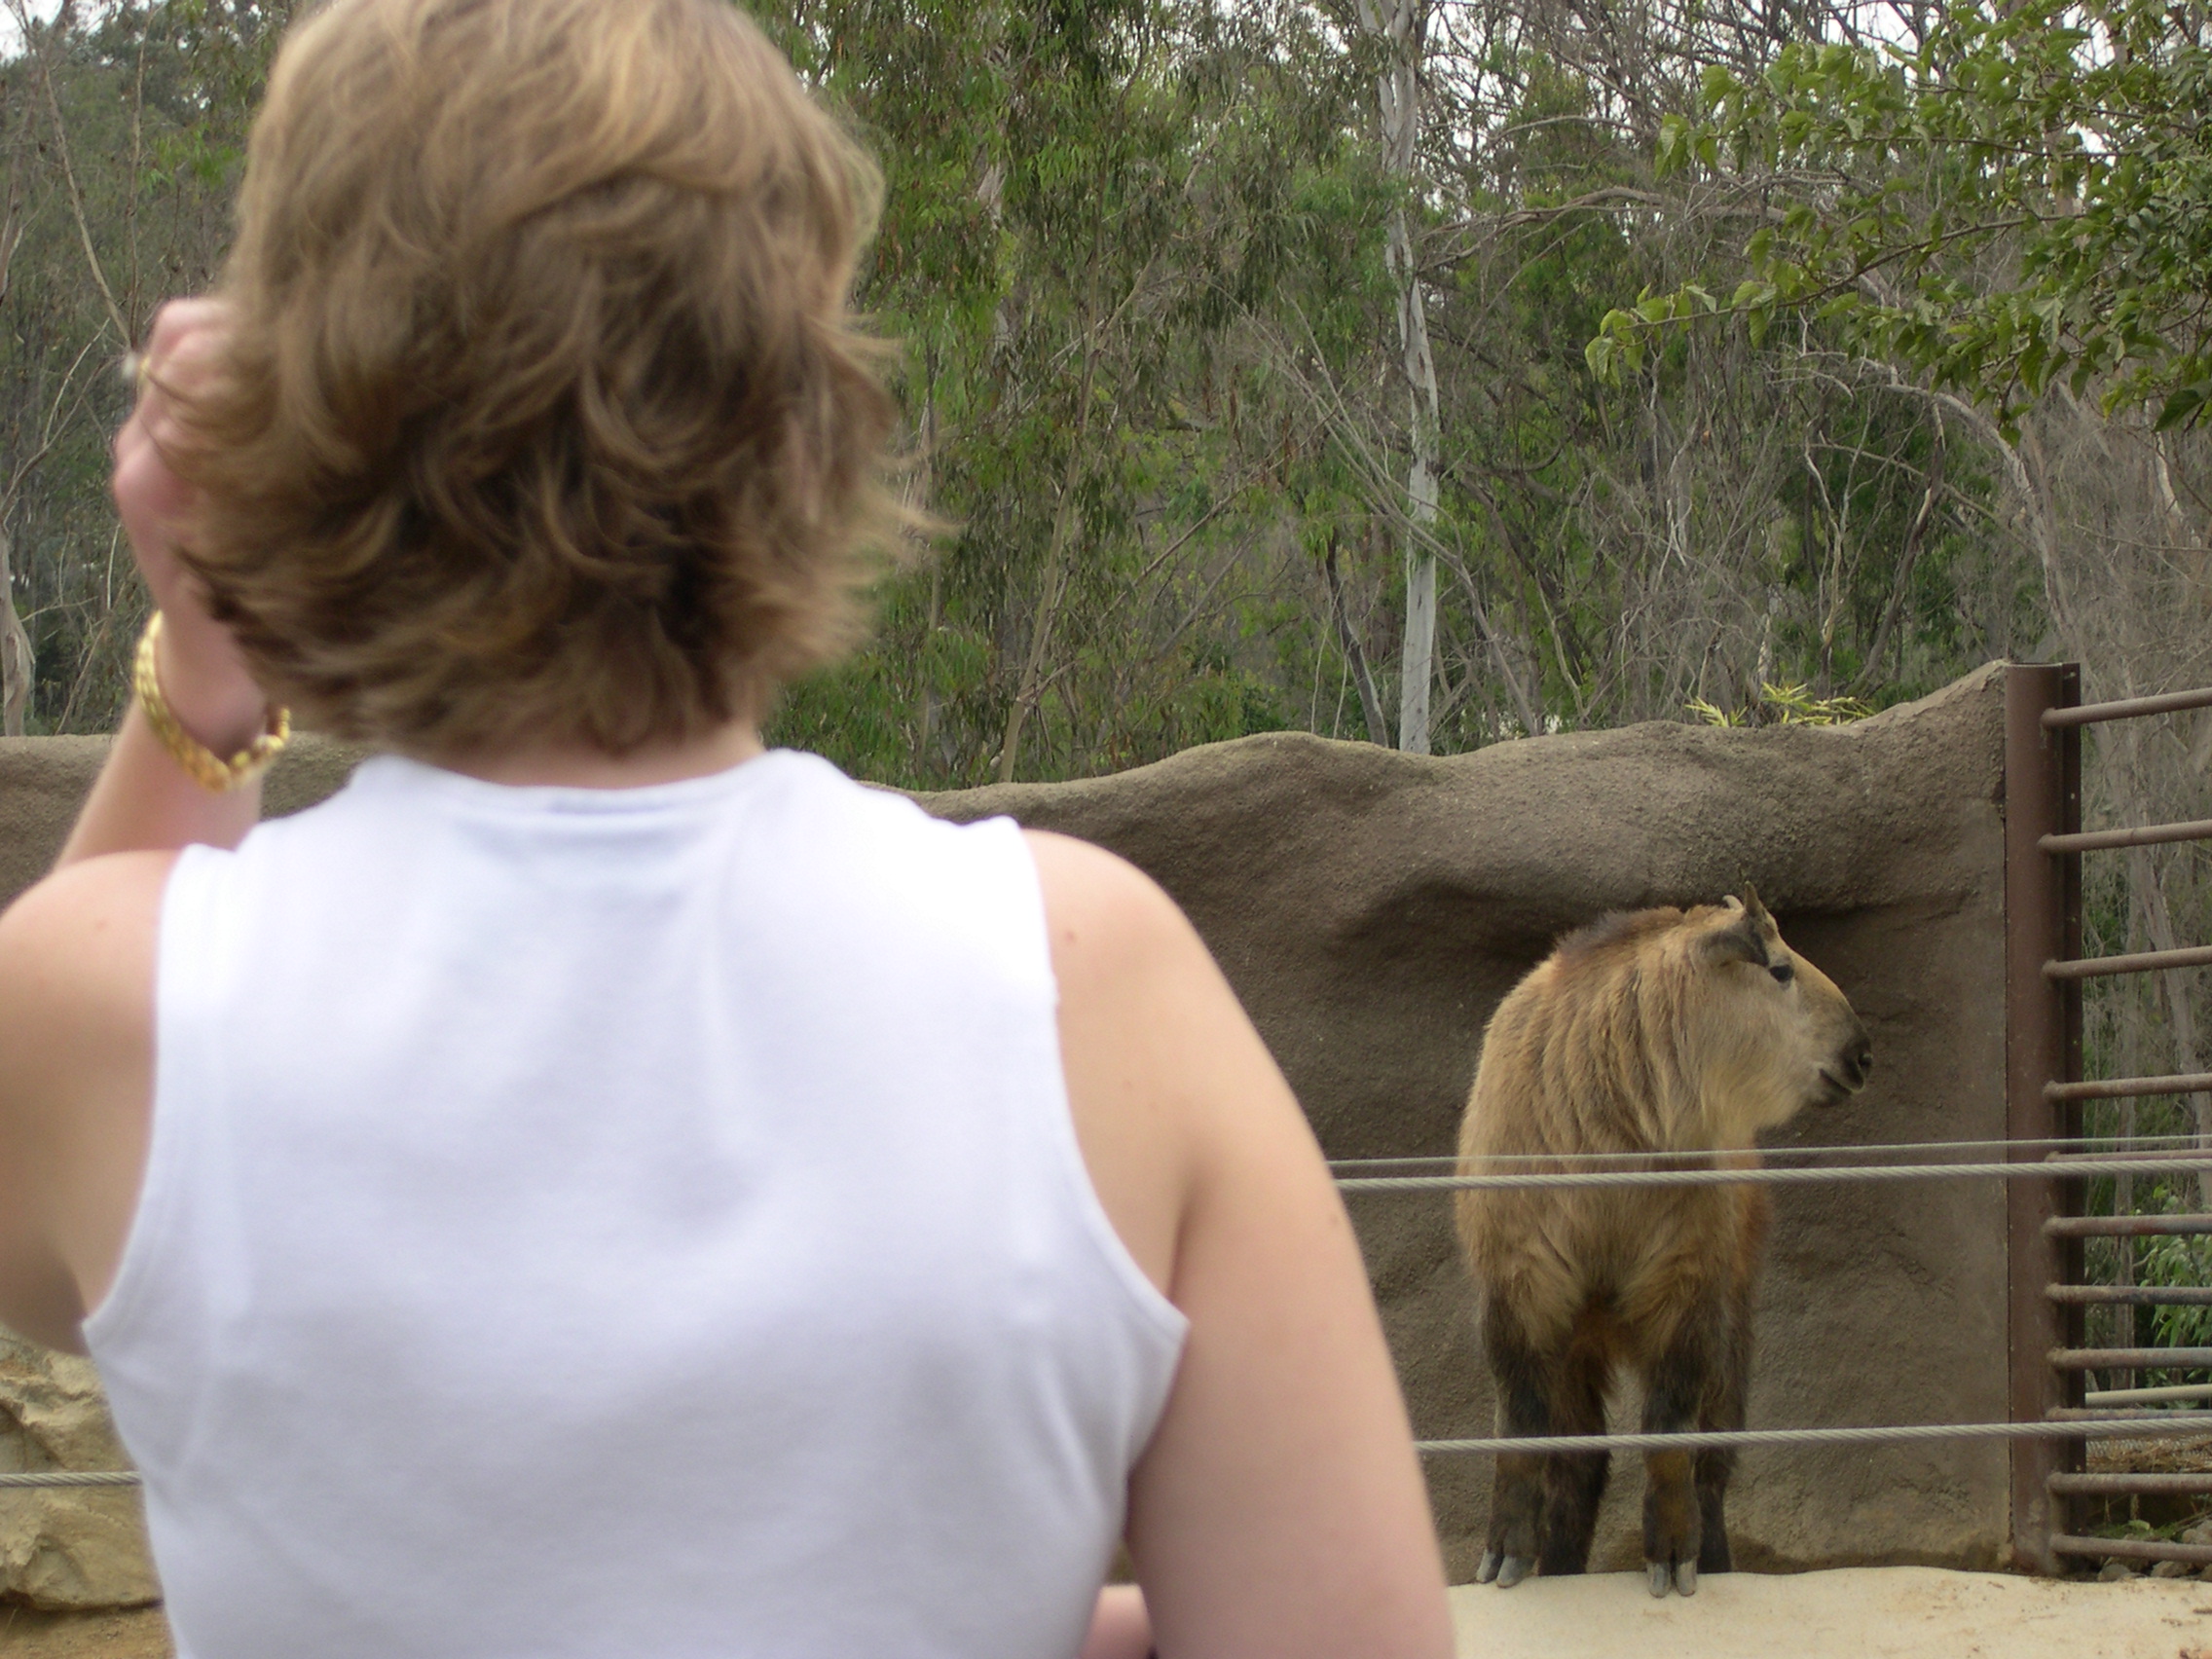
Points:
(12, 37)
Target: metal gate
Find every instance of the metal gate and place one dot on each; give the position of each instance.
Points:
(2045, 970)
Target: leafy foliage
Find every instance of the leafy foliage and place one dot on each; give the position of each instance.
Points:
(2021, 200)
(2178, 1261)
(1134, 251)
(1783, 705)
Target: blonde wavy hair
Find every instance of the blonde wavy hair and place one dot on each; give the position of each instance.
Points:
(544, 417)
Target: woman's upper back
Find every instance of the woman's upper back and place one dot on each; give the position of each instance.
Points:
(1276, 1510)
(668, 1194)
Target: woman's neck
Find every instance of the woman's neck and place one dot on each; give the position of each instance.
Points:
(576, 766)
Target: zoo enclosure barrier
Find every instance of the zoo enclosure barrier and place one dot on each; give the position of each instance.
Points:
(1911, 1160)
(2044, 1089)
(2036, 1166)
(2042, 1167)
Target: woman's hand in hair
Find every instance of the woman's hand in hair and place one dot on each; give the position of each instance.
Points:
(202, 675)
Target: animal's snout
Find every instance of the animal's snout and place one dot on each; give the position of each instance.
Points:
(1855, 1062)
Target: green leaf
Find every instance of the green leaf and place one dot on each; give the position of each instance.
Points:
(2184, 407)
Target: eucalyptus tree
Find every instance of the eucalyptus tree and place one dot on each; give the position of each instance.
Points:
(122, 125)
(1085, 207)
(1187, 295)
(2008, 215)
(1403, 24)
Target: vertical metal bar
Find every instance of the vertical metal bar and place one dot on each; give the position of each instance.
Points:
(2072, 1196)
(2041, 1045)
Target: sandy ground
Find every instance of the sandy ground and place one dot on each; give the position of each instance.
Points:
(1861, 1612)
(1885, 1612)
(25, 1634)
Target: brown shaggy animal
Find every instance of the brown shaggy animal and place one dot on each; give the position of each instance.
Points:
(1658, 1031)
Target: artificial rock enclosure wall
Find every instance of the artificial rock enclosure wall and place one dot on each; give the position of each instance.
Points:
(1371, 909)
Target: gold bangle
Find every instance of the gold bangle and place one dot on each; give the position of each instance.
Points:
(209, 770)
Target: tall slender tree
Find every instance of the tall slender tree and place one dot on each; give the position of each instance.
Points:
(1403, 24)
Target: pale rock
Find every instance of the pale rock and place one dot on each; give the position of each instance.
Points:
(66, 1549)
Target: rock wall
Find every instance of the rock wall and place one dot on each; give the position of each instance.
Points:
(1372, 907)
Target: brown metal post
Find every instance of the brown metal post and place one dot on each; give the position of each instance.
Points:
(2041, 1045)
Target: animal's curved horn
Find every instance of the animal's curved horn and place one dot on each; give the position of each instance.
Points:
(1752, 905)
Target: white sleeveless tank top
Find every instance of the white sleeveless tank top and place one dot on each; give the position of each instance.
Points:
(626, 1224)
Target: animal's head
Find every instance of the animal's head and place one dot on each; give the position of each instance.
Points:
(1771, 1033)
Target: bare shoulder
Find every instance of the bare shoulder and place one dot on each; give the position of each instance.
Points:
(1137, 993)
(1155, 1043)
(1103, 907)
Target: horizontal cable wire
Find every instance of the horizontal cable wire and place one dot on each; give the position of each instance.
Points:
(2160, 1425)
(1717, 1440)
(2060, 1145)
(1763, 1177)
(77, 1478)
(2164, 1424)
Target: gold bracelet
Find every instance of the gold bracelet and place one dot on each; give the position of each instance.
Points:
(209, 770)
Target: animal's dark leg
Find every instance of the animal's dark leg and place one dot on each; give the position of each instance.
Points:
(1728, 1388)
(1574, 1481)
(1677, 1391)
(1523, 1407)
(1713, 1467)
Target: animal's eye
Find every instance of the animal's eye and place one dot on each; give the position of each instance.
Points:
(1783, 973)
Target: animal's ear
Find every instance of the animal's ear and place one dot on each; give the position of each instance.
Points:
(1742, 940)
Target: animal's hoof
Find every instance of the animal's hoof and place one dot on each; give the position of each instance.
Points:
(1659, 1578)
(1512, 1571)
(1487, 1570)
(1685, 1577)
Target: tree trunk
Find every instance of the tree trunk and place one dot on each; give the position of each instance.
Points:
(1370, 705)
(1067, 519)
(1064, 523)
(1915, 539)
(1405, 24)
(16, 662)
(918, 497)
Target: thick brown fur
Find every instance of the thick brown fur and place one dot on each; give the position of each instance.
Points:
(1659, 1030)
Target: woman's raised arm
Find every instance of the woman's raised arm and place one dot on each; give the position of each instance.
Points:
(144, 800)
